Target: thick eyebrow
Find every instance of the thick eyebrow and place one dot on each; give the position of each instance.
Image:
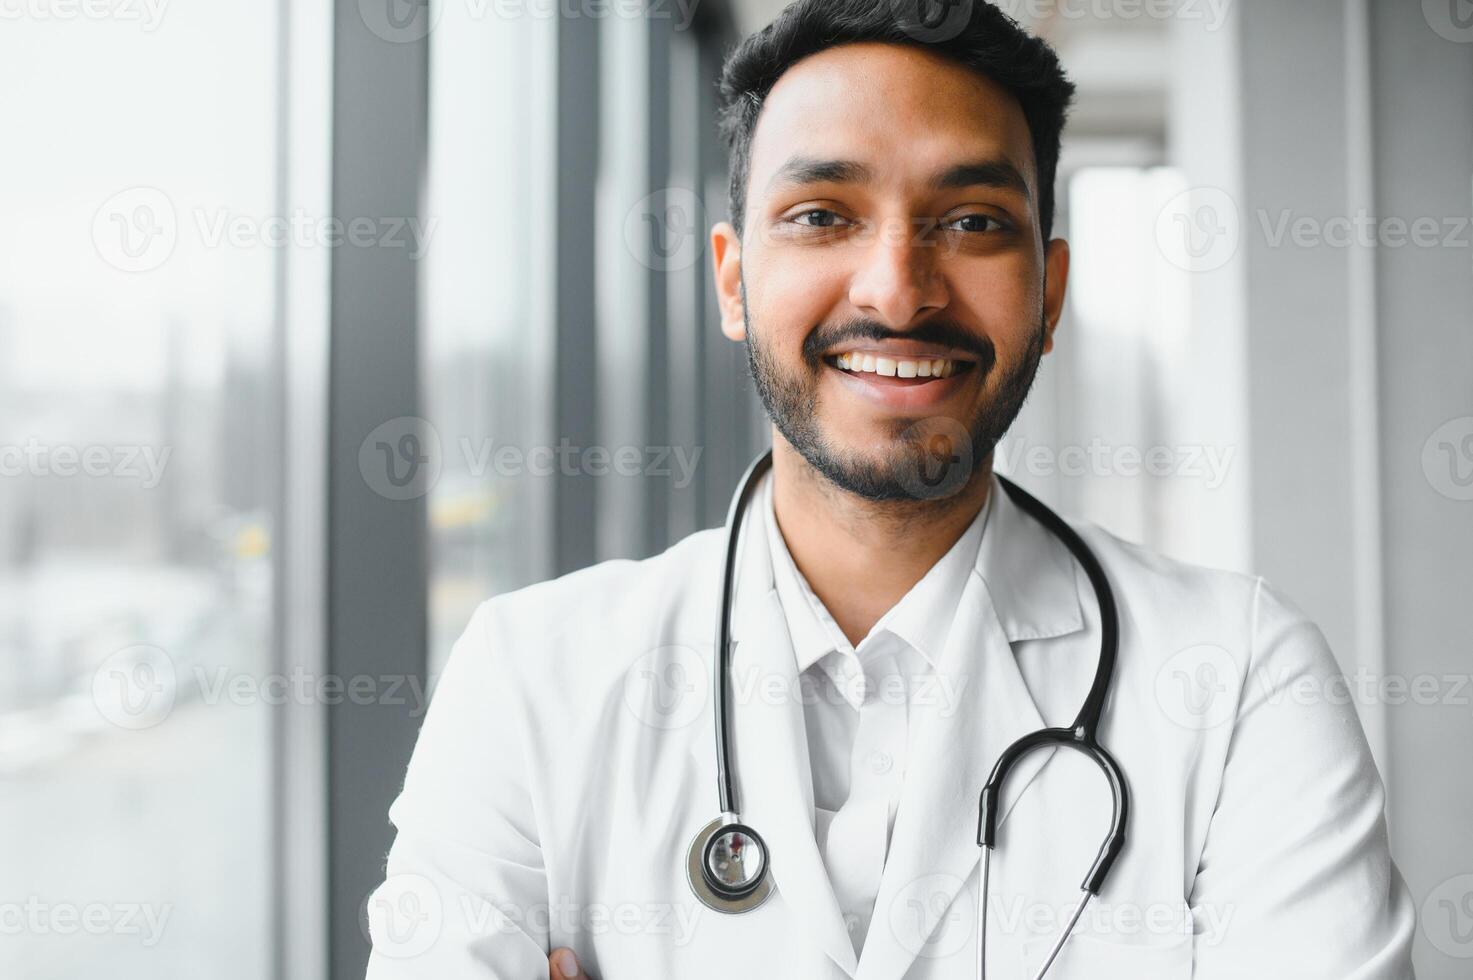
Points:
(801, 170)
(982, 173)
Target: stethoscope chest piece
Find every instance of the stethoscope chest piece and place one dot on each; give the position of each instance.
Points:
(727, 867)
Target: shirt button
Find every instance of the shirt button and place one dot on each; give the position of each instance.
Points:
(880, 762)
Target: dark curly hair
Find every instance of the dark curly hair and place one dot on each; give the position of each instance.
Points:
(973, 33)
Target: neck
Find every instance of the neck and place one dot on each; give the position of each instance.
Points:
(862, 556)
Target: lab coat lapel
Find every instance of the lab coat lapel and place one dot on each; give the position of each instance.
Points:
(958, 739)
(774, 775)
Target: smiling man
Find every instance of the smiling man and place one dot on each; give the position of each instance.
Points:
(898, 621)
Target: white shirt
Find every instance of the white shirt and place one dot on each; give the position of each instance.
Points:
(856, 708)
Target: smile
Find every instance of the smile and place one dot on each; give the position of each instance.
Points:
(906, 383)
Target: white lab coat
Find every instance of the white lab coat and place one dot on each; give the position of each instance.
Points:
(567, 761)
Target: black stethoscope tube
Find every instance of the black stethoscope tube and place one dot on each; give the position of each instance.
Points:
(1083, 734)
(721, 680)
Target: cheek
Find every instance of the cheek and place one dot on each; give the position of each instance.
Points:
(1004, 300)
(787, 300)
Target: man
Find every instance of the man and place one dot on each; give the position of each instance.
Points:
(890, 266)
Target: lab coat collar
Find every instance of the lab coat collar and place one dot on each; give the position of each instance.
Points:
(921, 619)
(1029, 574)
(1023, 587)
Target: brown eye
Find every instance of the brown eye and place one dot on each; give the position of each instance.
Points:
(821, 218)
(976, 223)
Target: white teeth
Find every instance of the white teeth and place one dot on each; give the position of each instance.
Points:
(892, 367)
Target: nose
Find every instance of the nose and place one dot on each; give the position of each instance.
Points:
(898, 278)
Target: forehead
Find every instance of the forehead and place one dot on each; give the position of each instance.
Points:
(905, 112)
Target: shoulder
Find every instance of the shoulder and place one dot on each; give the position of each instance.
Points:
(1182, 605)
(597, 620)
(1148, 577)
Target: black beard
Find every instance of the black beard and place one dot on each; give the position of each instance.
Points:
(933, 457)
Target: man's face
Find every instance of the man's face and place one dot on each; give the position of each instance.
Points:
(891, 232)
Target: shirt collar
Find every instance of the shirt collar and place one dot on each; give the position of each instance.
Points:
(922, 618)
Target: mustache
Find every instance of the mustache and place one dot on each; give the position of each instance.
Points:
(944, 333)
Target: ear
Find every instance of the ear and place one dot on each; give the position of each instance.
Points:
(1055, 283)
(726, 256)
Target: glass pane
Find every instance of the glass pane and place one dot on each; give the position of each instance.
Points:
(136, 388)
(485, 356)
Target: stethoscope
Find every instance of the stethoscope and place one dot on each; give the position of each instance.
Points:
(727, 864)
